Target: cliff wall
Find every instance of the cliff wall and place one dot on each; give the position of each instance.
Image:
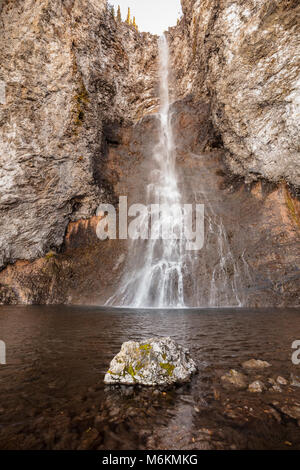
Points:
(243, 58)
(71, 75)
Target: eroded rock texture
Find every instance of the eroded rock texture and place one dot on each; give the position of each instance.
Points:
(153, 362)
(71, 74)
(243, 57)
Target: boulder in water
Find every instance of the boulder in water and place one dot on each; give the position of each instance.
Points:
(234, 379)
(292, 411)
(281, 380)
(295, 381)
(155, 361)
(256, 387)
(255, 364)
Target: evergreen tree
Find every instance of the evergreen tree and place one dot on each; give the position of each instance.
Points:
(128, 16)
(112, 11)
(134, 24)
(119, 16)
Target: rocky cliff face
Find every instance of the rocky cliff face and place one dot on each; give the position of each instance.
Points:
(72, 74)
(243, 57)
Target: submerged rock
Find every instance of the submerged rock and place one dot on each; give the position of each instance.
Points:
(234, 379)
(155, 361)
(295, 381)
(255, 364)
(281, 380)
(276, 388)
(292, 411)
(256, 387)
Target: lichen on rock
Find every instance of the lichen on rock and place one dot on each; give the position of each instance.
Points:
(156, 361)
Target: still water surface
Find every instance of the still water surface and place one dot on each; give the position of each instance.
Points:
(52, 393)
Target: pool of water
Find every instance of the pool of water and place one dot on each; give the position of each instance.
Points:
(52, 394)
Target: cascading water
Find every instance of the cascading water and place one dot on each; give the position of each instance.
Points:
(156, 278)
(160, 272)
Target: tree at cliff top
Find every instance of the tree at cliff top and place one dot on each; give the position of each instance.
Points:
(128, 16)
(119, 17)
(134, 24)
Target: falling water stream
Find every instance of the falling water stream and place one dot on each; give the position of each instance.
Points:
(156, 278)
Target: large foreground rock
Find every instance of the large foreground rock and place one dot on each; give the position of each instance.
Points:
(156, 361)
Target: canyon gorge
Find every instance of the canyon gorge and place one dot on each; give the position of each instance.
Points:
(78, 126)
(141, 340)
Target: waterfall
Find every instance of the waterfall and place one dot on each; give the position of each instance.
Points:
(160, 272)
(154, 278)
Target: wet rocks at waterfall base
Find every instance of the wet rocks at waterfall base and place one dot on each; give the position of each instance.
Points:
(153, 362)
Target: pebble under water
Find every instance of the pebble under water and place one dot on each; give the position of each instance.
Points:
(53, 395)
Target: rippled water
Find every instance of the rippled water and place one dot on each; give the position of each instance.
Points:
(53, 396)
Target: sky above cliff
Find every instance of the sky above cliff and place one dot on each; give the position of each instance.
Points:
(154, 16)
